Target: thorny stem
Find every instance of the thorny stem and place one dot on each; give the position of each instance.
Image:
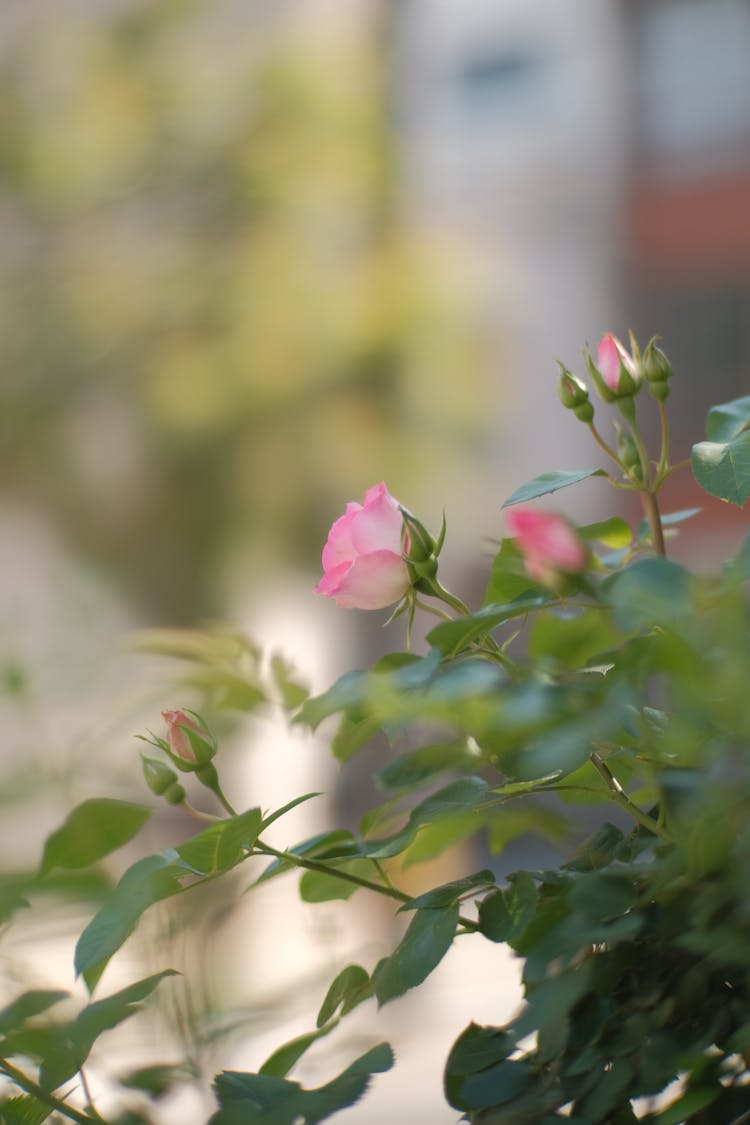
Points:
(622, 798)
(36, 1091)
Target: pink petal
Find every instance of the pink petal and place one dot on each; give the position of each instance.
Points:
(608, 360)
(331, 580)
(548, 539)
(373, 581)
(339, 545)
(378, 525)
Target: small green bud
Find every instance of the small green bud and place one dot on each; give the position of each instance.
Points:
(584, 412)
(571, 390)
(659, 390)
(162, 781)
(655, 364)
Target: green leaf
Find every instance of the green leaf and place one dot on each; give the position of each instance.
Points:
(723, 468)
(271, 817)
(504, 915)
(498, 1084)
(649, 592)
(614, 532)
(421, 765)
(349, 989)
(220, 846)
(265, 1099)
(352, 735)
(508, 578)
(452, 637)
(148, 881)
(570, 640)
(285, 1057)
(26, 1006)
(726, 421)
(434, 839)
(464, 796)
(549, 482)
(24, 1110)
(422, 948)
(551, 1000)
(155, 1080)
(92, 830)
(62, 1049)
(721, 465)
(292, 692)
(315, 886)
(691, 1102)
(449, 893)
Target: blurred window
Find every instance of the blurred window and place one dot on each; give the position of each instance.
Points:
(693, 80)
(494, 79)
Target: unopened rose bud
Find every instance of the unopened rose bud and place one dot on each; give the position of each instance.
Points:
(657, 370)
(574, 395)
(189, 740)
(162, 781)
(615, 373)
(550, 545)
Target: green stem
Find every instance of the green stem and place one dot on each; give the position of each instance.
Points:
(312, 865)
(622, 798)
(661, 468)
(433, 610)
(25, 1083)
(603, 445)
(219, 792)
(651, 511)
(450, 599)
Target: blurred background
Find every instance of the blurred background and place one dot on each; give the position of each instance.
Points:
(258, 255)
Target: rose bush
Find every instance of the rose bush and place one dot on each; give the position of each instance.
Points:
(605, 712)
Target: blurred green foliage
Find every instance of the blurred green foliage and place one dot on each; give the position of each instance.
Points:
(214, 326)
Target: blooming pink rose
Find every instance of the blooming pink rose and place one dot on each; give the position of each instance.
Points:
(177, 738)
(363, 567)
(609, 355)
(549, 544)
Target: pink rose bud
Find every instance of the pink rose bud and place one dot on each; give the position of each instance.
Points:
(549, 544)
(363, 565)
(616, 365)
(178, 740)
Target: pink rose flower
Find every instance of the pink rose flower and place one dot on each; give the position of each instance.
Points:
(610, 354)
(363, 567)
(177, 738)
(548, 543)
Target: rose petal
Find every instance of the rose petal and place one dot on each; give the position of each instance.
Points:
(339, 545)
(608, 361)
(373, 581)
(377, 526)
